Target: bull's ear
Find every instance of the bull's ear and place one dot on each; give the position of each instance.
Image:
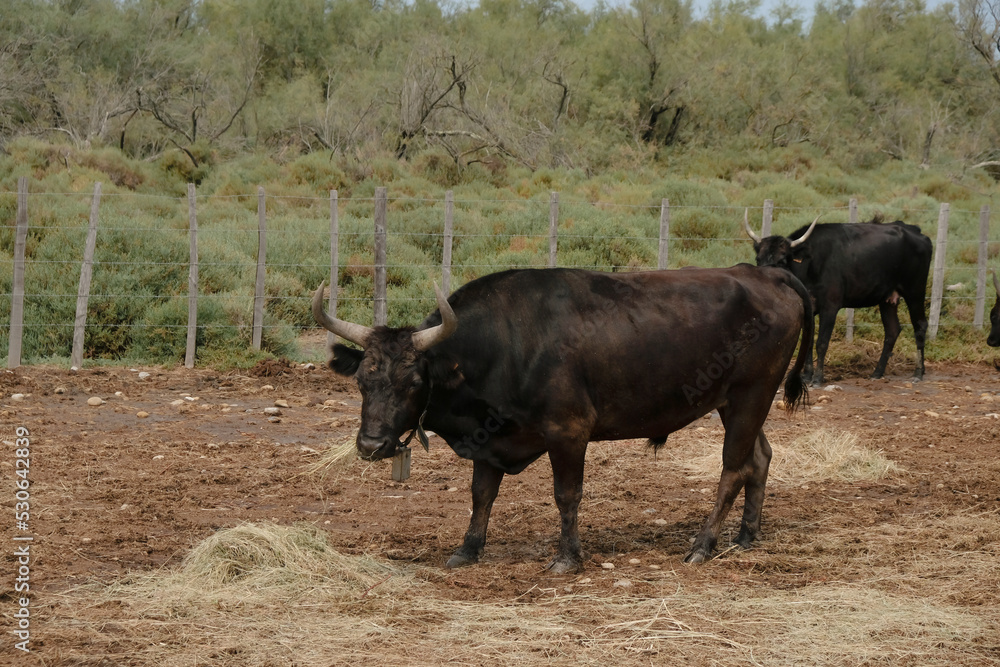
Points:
(345, 360)
(446, 374)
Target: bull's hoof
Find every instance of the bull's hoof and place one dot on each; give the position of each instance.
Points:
(564, 565)
(459, 559)
(875, 376)
(696, 557)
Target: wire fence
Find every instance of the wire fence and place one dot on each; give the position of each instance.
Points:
(134, 266)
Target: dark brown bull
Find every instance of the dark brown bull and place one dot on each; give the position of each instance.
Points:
(528, 362)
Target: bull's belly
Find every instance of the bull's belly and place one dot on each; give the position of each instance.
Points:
(647, 426)
(652, 417)
(870, 300)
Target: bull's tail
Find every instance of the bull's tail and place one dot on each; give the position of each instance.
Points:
(796, 394)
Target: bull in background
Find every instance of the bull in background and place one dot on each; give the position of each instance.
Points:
(856, 266)
(993, 340)
(531, 362)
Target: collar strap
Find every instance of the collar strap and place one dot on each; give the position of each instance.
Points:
(420, 433)
(419, 430)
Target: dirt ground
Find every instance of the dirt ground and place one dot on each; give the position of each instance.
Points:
(172, 455)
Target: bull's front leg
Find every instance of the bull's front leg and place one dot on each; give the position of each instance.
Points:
(485, 486)
(567, 477)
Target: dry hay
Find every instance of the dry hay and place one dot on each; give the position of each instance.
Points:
(824, 454)
(336, 458)
(815, 456)
(261, 594)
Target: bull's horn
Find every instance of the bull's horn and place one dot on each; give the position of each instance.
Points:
(809, 231)
(746, 226)
(356, 333)
(428, 338)
(996, 284)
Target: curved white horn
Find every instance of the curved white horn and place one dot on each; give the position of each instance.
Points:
(356, 333)
(746, 226)
(428, 338)
(809, 231)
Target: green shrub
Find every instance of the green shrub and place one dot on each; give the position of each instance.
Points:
(138, 308)
(438, 167)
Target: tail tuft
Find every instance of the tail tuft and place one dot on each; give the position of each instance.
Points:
(656, 443)
(796, 393)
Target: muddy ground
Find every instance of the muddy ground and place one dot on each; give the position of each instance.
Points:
(172, 455)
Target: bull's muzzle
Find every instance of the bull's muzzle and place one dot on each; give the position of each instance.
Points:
(376, 448)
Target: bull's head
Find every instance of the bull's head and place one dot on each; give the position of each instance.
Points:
(994, 338)
(776, 250)
(392, 373)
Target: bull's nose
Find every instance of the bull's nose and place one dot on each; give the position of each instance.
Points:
(372, 448)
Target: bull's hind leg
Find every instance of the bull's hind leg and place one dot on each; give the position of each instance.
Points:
(485, 486)
(754, 492)
(890, 322)
(746, 456)
(915, 304)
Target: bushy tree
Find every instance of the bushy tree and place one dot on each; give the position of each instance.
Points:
(534, 83)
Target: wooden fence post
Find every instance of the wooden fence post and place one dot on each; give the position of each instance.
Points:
(937, 289)
(446, 241)
(765, 225)
(331, 337)
(192, 328)
(381, 305)
(661, 262)
(258, 298)
(553, 227)
(86, 273)
(852, 207)
(984, 247)
(17, 296)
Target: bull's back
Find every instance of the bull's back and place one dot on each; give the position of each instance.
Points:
(643, 353)
(714, 330)
(863, 265)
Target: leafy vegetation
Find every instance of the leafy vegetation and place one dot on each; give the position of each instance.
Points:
(503, 103)
(488, 87)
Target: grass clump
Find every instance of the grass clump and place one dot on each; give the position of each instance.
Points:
(267, 555)
(816, 455)
(824, 454)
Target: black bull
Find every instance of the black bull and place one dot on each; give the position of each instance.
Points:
(542, 361)
(993, 340)
(856, 266)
